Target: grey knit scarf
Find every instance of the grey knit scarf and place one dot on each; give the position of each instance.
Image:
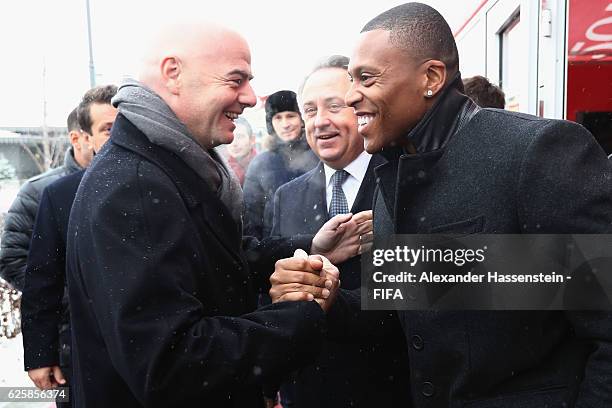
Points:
(152, 116)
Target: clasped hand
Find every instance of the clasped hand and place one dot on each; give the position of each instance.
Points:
(304, 277)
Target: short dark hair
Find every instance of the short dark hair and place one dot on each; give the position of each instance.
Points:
(72, 121)
(99, 94)
(421, 31)
(333, 61)
(484, 93)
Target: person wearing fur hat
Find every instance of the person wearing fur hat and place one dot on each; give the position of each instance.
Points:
(288, 158)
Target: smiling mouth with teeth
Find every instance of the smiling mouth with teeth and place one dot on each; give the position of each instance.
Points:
(363, 120)
(231, 115)
(325, 137)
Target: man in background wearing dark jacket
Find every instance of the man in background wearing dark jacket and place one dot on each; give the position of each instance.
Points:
(289, 157)
(19, 220)
(44, 304)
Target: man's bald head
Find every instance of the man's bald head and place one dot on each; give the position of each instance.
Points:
(203, 72)
(421, 31)
(187, 41)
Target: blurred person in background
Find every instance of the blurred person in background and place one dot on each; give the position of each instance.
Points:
(484, 93)
(288, 158)
(19, 221)
(242, 149)
(45, 312)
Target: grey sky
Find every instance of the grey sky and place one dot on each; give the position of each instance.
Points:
(286, 39)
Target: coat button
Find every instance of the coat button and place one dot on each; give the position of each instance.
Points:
(428, 389)
(417, 342)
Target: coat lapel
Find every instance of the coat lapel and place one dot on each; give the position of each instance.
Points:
(386, 175)
(414, 174)
(315, 198)
(364, 198)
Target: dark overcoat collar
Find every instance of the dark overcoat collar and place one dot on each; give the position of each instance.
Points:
(191, 187)
(449, 113)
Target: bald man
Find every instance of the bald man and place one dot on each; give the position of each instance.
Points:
(161, 295)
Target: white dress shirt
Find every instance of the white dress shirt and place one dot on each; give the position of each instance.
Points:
(356, 170)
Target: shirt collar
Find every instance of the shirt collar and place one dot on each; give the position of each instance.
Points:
(357, 168)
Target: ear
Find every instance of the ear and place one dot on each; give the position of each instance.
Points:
(74, 139)
(171, 69)
(435, 72)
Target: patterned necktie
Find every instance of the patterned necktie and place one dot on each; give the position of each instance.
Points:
(338, 205)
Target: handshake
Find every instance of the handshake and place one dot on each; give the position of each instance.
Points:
(316, 277)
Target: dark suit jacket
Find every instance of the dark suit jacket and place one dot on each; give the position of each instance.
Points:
(161, 297)
(266, 173)
(44, 304)
(300, 208)
(19, 221)
(508, 173)
(350, 373)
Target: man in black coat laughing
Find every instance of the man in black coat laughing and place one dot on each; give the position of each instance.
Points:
(457, 169)
(161, 296)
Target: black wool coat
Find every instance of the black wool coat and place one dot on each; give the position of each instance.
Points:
(162, 301)
(19, 221)
(44, 303)
(495, 171)
(350, 373)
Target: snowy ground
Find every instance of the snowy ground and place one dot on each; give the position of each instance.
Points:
(12, 374)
